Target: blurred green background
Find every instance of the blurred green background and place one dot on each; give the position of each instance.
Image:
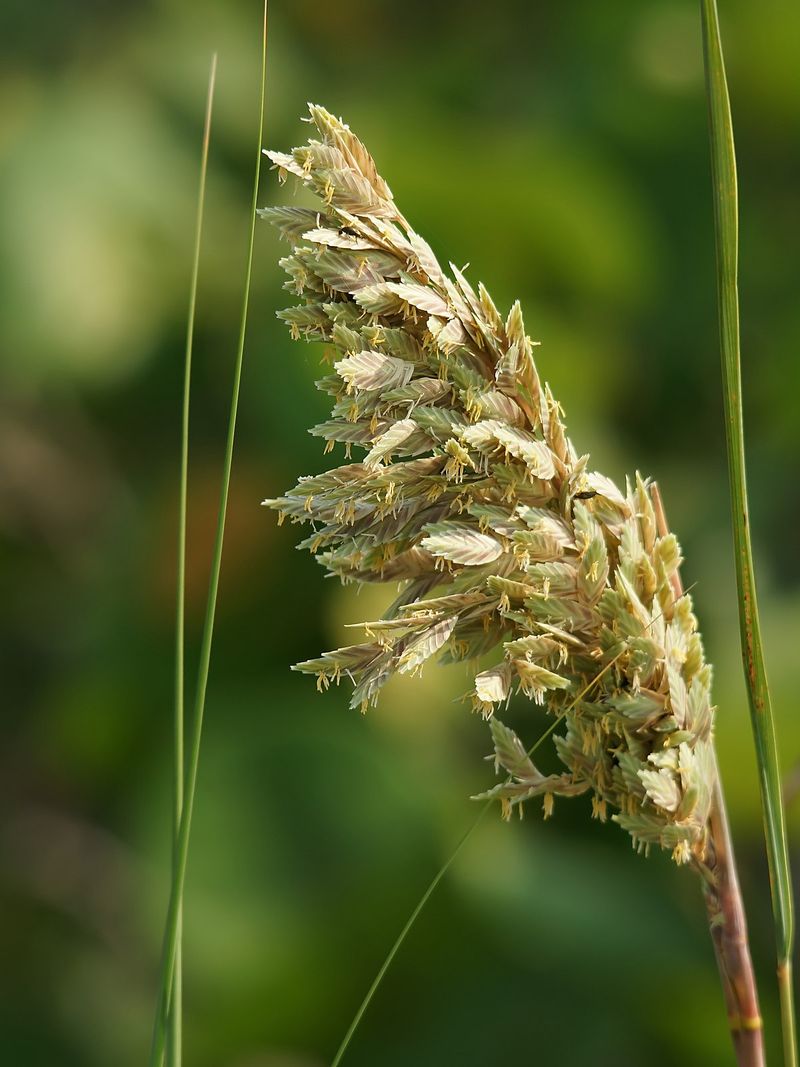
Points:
(561, 149)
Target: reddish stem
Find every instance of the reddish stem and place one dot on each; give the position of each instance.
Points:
(729, 934)
(724, 905)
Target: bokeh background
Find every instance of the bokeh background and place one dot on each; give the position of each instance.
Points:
(561, 149)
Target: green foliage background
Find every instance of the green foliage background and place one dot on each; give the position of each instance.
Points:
(561, 149)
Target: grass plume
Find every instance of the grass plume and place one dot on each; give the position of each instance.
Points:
(472, 496)
(528, 551)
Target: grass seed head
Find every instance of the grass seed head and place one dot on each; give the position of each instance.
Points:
(471, 494)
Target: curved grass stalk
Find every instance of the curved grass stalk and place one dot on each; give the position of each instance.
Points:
(448, 863)
(175, 1015)
(384, 967)
(723, 166)
(721, 888)
(171, 934)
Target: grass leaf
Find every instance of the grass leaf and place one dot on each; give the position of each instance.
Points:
(171, 934)
(723, 166)
(175, 1015)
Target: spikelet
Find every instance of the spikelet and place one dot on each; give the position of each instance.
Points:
(471, 495)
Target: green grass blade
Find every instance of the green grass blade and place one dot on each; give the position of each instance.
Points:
(170, 947)
(723, 167)
(415, 914)
(365, 1003)
(175, 1015)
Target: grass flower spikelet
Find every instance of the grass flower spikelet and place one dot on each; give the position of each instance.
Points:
(472, 496)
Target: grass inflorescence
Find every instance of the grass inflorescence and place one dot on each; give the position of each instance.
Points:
(504, 541)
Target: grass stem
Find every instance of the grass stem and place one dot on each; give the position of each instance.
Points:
(365, 1003)
(724, 905)
(171, 933)
(723, 167)
(174, 1050)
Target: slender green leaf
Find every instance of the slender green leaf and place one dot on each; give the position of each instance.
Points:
(365, 1003)
(723, 167)
(175, 1016)
(170, 946)
(448, 863)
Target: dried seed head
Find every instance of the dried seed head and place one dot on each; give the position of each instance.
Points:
(470, 490)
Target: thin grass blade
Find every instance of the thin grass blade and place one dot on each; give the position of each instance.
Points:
(723, 167)
(448, 863)
(170, 947)
(365, 1003)
(174, 1049)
